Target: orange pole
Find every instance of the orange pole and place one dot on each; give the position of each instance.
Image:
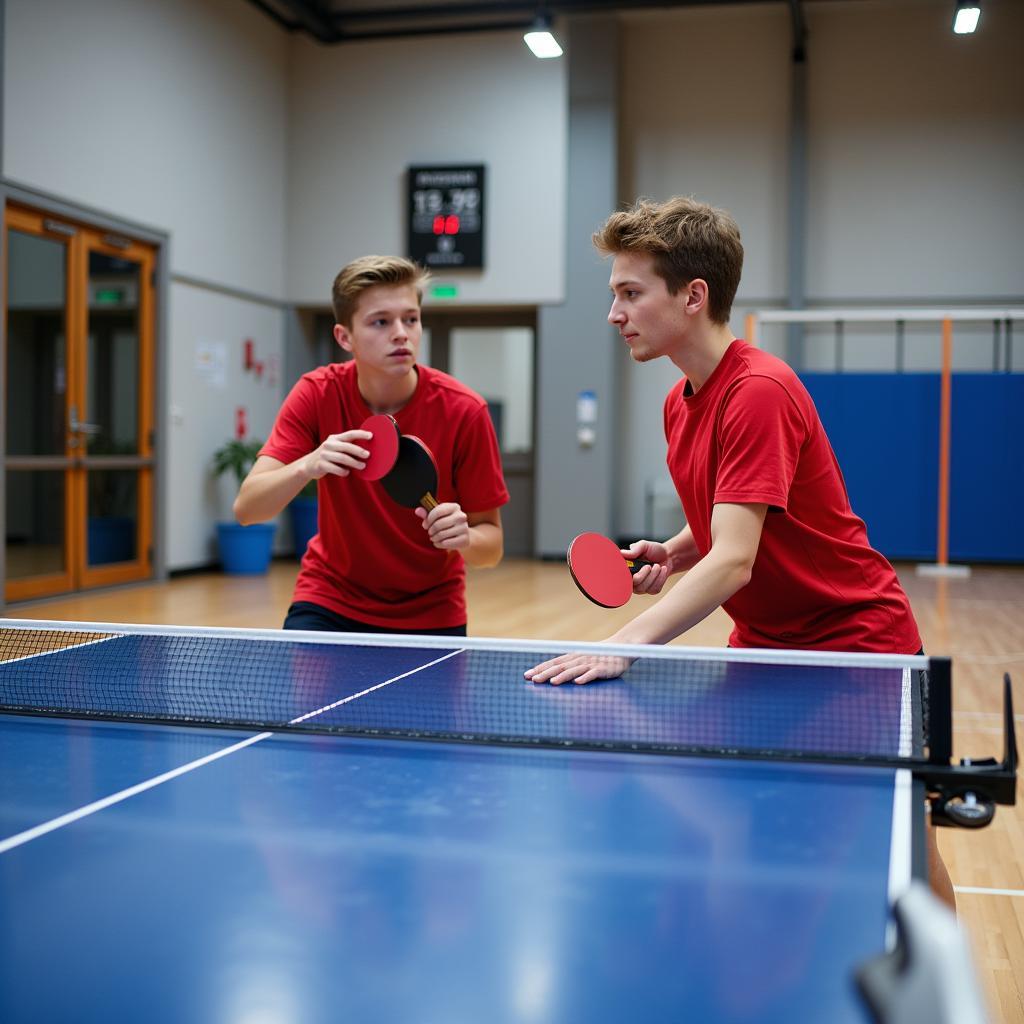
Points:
(750, 330)
(944, 433)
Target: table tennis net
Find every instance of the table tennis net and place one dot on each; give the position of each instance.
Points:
(666, 699)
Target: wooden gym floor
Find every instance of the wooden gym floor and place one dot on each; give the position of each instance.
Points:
(979, 621)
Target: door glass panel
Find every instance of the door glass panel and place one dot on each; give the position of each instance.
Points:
(112, 385)
(36, 368)
(113, 514)
(34, 509)
(497, 363)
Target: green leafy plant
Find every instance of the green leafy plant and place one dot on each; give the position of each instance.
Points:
(236, 457)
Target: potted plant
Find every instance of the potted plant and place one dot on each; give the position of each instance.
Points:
(303, 512)
(243, 549)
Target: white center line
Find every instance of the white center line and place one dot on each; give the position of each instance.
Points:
(115, 798)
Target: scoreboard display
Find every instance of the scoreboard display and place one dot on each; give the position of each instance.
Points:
(446, 217)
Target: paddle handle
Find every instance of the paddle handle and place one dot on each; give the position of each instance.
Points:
(428, 501)
(636, 564)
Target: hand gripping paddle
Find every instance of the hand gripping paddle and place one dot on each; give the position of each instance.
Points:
(601, 571)
(383, 446)
(413, 479)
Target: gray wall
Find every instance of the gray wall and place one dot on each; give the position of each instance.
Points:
(576, 350)
(916, 154)
(170, 113)
(360, 114)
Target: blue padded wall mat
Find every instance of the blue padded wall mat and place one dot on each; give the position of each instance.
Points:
(884, 428)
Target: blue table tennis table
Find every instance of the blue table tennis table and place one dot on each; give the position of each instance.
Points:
(177, 873)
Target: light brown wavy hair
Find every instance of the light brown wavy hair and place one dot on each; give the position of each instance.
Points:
(367, 272)
(687, 239)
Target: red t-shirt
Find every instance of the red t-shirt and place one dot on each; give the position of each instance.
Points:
(371, 559)
(751, 435)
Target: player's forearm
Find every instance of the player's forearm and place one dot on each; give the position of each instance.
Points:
(263, 495)
(486, 546)
(711, 582)
(682, 551)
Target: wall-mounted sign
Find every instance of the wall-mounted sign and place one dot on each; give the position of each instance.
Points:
(446, 216)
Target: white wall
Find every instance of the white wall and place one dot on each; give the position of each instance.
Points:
(363, 112)
(202, 407)
(170, 113)
(916, 188)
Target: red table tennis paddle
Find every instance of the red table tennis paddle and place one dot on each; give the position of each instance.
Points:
(601, 571)
(383, 446)
(413, 478)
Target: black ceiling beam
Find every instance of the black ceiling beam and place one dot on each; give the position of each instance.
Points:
(311, 16)
(272, 12)
(432, 11)
(796, 11)
(344, 36)
(529, 7)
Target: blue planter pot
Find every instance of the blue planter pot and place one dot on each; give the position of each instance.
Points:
(245, 550)
(303, 513)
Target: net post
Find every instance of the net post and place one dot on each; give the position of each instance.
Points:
(940, 711)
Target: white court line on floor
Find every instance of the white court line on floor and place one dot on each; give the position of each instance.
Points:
(1019, 717)
(115, 798)
(974, 890)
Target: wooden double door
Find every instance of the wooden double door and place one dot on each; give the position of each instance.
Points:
(77, 440)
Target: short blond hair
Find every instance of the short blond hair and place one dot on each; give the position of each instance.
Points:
(367, 272)
(687, 239)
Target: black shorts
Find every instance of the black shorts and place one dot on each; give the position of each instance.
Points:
(306, 615)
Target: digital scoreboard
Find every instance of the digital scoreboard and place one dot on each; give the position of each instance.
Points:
(446, 217)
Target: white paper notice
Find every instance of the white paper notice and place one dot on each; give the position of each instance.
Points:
(212, 363)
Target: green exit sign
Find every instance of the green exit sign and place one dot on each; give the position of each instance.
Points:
(445, 291)
(108, 296)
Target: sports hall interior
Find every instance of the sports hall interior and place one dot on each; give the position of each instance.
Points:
(201, 169)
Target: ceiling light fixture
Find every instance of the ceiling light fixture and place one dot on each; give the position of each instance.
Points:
(540, 40)
(965, 18)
